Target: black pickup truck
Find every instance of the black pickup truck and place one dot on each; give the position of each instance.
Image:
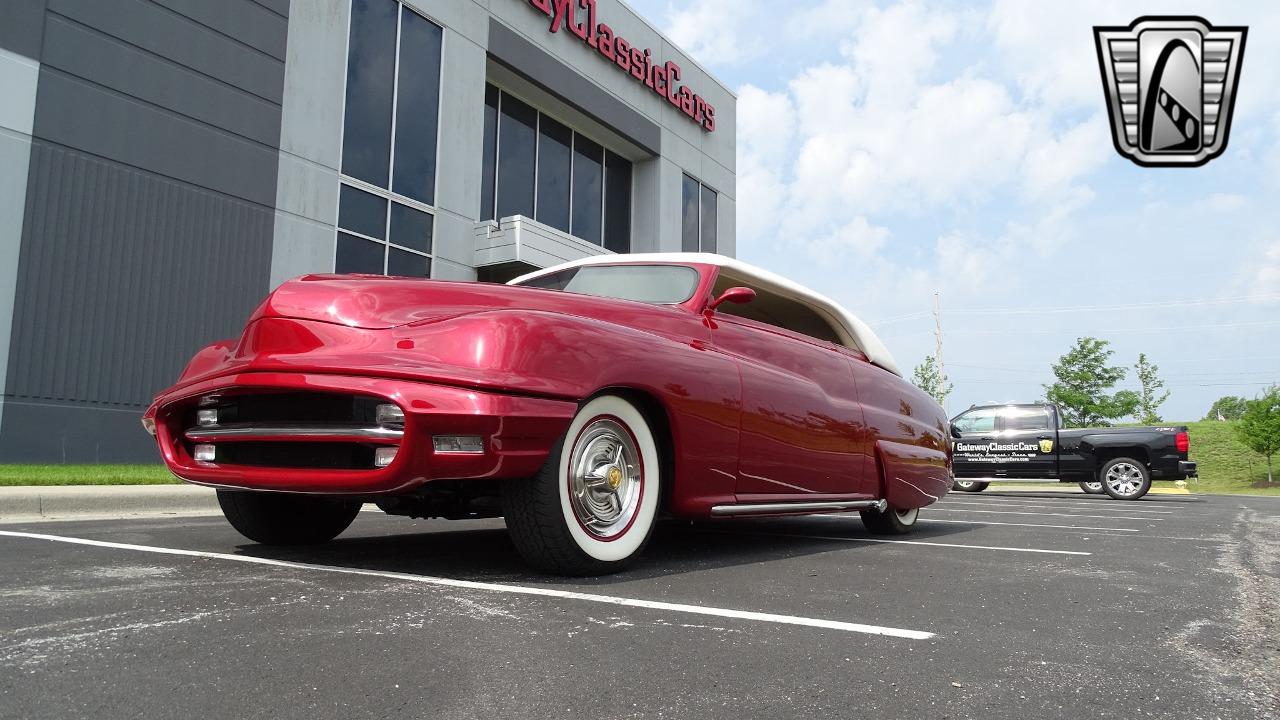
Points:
(1027, 443)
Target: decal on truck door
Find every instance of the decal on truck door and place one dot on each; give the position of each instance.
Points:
(998, 452)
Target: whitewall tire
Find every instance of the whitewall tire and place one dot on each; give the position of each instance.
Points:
(591, 509)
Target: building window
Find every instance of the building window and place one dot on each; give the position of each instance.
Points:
(698, 217)
(540, 168)
(389, 141)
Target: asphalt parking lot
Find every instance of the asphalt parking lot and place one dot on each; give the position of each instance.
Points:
(1000, 606)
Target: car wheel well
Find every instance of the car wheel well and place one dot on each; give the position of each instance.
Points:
(660, 423)
(1106, 455)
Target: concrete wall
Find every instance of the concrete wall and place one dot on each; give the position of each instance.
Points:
(147, 222)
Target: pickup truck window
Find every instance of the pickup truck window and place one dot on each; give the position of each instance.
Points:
(1025, 419)
(976, 421)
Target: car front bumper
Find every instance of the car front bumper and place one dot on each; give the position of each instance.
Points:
(517, 433)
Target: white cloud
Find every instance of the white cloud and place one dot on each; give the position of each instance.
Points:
(723, 32)
(1266, 273)
(857, 237)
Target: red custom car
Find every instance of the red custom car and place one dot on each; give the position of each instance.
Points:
(579, 402)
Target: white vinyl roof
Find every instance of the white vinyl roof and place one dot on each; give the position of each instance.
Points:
(853, 332)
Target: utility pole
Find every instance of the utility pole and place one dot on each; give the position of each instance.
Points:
(937, 336)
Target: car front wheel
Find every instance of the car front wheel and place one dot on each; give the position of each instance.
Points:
(1125, 479)
(284, 519)
(970, 485)
(1092, 488)
(890, 522)
(590, 510)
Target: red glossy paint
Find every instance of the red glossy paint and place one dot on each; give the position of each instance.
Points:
(750, 411)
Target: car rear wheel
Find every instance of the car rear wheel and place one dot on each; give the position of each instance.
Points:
(1125, 479)
(590, 510)
(284, 519)
(970, 485)
(1093, 488)
(891, 521)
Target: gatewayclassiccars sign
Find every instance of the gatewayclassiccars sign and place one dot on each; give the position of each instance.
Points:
(579, 16)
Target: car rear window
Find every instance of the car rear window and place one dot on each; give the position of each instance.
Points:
(657, 284)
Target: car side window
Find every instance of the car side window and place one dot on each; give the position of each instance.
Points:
(1020, 419)
(779, 311)
(977, 421)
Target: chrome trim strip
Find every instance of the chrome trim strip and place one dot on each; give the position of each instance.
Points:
(783, 507)
(234, 432)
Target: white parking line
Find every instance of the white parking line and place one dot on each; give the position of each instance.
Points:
(1018, 503)
(1036, 525)
(921, 542)
(500, 588)
(1045, 514)
(993, 522)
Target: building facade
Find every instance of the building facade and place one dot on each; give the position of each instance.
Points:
(164, 163)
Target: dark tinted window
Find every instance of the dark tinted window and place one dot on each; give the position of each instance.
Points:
(588, 188)
(489, 163)
(410, 228)
(362, 212)
(407, 264)
(517, 143)
(417, 108)
(708, 220)
(366, 138)
(689, 218)
(357, 255)
(1024, 418)
(554, 165)
(617, 203)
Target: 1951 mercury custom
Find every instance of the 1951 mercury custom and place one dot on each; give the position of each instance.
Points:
(580, 403)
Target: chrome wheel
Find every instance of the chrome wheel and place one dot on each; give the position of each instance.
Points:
(1091, 487)
(606, 479)
(1124, 479)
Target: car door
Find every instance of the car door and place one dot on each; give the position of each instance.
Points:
(800, 421)
(1027, 441)
(975, 432)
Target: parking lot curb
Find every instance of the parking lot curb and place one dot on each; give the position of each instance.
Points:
(82, 502)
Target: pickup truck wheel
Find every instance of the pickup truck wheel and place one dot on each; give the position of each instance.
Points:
(284, 519)
(1125, 479)
(590, 510)
(970, 485)
(891, 521)
(1092, 488)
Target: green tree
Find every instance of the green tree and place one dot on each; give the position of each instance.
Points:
(1083, 382)
(1149, 398)
(928, 376)
(1228, 407)
(1259, 426)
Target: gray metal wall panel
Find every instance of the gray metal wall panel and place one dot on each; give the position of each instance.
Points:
(161, 31)
(125, 275)
(21, 26)
(152, 138)
(111, 63)
(246, 21)
(148, 218)
(279, 7)
(511, 49)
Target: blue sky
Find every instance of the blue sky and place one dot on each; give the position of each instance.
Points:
(891, 150)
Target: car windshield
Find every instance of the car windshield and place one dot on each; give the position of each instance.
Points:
(657, 284)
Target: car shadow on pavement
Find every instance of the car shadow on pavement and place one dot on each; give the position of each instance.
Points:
(1080, 497)
(677, 547)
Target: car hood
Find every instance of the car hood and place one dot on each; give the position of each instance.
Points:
(374, 302)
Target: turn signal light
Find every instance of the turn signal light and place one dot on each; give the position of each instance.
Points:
(384, 456)
(389, 414)
(205, 453)
(1183, 442)
(471, 444)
